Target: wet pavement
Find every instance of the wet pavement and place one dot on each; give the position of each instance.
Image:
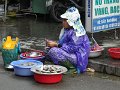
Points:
(85, 81)
(32, 34)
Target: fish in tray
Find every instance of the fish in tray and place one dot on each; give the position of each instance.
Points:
(28, 64)
(33, 54)
(49, 69)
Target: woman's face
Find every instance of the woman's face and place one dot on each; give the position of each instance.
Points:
(65, 23)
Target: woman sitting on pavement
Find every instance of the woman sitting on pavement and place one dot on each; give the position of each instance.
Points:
(73, 46)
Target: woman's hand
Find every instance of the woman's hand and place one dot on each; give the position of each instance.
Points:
(51, 43)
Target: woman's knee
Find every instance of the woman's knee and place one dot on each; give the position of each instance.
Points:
(53, 50)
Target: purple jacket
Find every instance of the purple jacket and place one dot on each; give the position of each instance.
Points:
(80, 46)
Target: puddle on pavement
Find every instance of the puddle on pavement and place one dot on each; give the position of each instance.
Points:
(33, 43)
(32, 33)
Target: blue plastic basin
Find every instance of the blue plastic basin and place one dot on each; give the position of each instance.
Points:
(24, 70)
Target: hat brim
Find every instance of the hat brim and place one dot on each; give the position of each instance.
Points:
(63, 16)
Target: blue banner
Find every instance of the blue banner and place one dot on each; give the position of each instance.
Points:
(106, 23)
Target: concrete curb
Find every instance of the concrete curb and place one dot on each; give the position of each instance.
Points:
(107, 66)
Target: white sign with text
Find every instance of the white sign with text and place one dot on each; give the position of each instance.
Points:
(102, 15)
